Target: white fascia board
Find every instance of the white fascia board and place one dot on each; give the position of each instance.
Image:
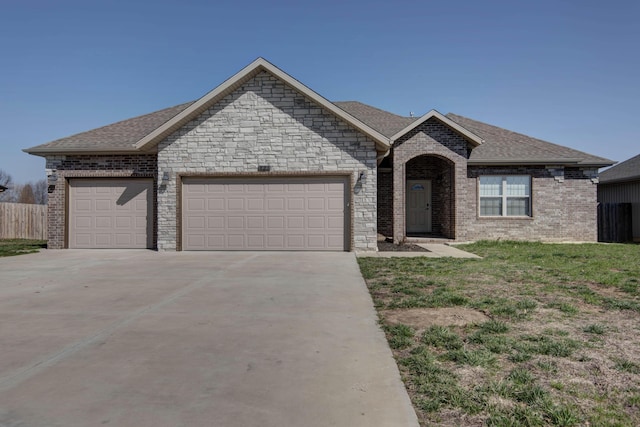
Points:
(80, 151)
(531, 161)
(232, 83)
(470, 136)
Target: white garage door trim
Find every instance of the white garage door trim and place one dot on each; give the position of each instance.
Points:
(266, 213)
(109, 213)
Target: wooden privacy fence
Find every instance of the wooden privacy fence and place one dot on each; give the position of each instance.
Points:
(23, 221)
(614, 222)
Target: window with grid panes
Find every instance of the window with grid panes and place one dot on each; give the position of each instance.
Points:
(508, 195)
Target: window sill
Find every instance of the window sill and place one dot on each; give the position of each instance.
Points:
(517, 218)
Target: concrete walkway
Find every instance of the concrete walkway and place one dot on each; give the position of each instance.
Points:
(436, 250)
(139, 338)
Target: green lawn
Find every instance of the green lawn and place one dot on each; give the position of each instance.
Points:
(557, 343)
(11, 247)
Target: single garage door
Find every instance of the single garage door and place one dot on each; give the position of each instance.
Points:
(284, 213)
(110, 213)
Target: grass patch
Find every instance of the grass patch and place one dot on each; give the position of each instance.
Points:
(595, 328)
(399, 336)
(625, 365)
(553, 309)
(12, 247)
(442, 337)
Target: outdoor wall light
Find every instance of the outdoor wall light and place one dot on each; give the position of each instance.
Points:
(165, 177)
(362, 176)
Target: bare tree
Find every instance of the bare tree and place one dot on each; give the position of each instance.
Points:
(40, 191)
(26, 195)
(6, 181)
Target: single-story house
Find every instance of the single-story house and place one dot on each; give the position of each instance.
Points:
(621, 184)
(262, 162)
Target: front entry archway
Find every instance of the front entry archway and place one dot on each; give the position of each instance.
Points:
(429, 197)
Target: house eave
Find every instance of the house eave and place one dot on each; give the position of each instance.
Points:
(536, 162)
(620, 180)
(44, 152)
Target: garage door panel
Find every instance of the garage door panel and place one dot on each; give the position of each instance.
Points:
(275, 222)
(295, 203)
(255, 222)
(110, 213)
(196, 241)
(214, 241)
(334, 203)
(255, 204)
(215, 204)
(214, 222)
(334, 223)
(125, 239)
(82, 222)
(235, 222)
(316, 222)
(295, 222)
(124, 222)
(82, 205)
(102, 222)
(235, 204)
(103, 239)
(275, 204)
(316, 241)
(315, 203)
(267, 213)
(235, 241)
(256, 241)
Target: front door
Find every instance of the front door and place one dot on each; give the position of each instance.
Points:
(418, 205)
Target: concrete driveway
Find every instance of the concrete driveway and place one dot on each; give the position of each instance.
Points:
(139, 338)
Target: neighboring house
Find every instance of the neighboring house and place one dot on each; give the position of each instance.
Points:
(621, 184)
(262, 162)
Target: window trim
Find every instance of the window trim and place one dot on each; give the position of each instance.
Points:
(505, 197)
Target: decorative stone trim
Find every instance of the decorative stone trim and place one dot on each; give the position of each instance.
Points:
(557, 172)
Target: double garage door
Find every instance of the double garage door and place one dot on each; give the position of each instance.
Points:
(287, 213)
(279, 213)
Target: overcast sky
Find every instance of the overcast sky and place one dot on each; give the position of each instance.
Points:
(563, 71)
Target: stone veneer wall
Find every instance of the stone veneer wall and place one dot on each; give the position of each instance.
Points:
(265, 122)
(563, 202)
(90, 166)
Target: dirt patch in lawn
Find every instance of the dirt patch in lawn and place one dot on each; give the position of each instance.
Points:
(422, 318)
(406, 247)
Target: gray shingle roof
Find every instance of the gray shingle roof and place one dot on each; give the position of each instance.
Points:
(383, 121)
(500, 145)
(627, 170)
(116, 136)
(504, 145)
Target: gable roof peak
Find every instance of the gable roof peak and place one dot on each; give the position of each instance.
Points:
(473, 138)
(236, 81)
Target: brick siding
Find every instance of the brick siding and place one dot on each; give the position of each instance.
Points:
(563, 203)
(90, 166)
(447, 151)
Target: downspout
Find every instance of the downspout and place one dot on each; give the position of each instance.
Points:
(382, 156)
